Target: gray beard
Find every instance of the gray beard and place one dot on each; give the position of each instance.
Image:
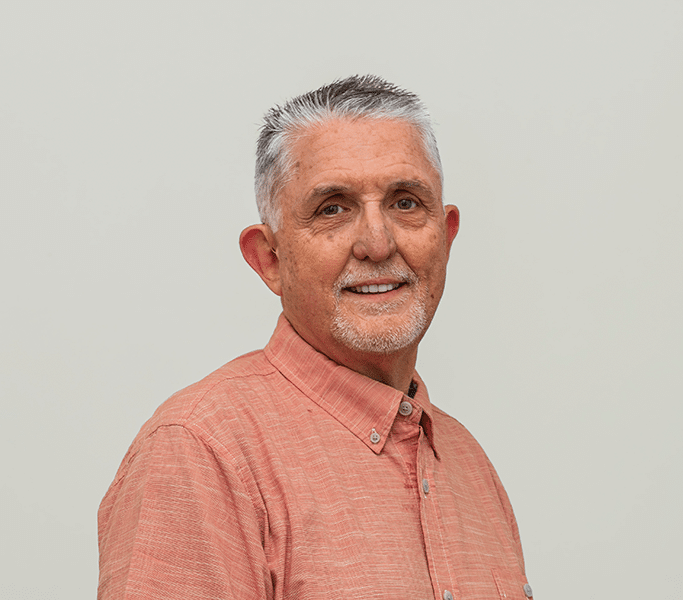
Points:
(396, 336)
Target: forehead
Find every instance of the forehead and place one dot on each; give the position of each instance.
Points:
(341, 152)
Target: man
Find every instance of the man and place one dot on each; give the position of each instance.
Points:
(318, 467)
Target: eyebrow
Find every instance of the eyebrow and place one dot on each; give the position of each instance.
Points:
(330, 190)
(327, 190)
(412, 184)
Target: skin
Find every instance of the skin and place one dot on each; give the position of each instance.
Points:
(362, 194)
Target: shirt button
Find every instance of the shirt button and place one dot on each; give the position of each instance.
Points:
(425, 486)
(405, 408)
(528, 591)
(447, 595)
(375, 437)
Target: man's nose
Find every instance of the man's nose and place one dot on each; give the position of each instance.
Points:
(374, 236)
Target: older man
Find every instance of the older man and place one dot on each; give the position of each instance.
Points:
(318, 467)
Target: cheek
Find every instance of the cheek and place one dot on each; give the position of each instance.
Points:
(300, 274)
(289, 269)
(431, 267)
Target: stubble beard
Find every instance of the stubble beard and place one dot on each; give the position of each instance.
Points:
(399, 332)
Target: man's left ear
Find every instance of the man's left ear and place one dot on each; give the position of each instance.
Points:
(452, 222)
(257, 243)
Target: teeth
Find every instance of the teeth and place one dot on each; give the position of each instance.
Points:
(374, 288)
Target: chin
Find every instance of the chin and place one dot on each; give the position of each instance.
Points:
(386, 335)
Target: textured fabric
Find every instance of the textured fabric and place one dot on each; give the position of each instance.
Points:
(285, 475)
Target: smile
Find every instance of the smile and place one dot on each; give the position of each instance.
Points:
(375, 288)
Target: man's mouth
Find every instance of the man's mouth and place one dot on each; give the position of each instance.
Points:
(378, 288)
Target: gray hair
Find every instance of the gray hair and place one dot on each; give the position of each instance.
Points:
(356, 97)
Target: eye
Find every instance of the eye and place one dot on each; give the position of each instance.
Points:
(331, 209)
(406, 204)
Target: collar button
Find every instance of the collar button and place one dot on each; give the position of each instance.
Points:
(405, 408)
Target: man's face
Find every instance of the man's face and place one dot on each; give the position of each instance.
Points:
(364, 239)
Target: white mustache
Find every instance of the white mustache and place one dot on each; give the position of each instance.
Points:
(359, 275)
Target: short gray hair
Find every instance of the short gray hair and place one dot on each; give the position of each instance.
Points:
(352, 98)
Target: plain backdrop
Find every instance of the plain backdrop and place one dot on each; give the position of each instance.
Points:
(127, 133)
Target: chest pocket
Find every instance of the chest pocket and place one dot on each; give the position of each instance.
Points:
(511, 585)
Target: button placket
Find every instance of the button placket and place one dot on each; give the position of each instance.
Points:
(438, 557)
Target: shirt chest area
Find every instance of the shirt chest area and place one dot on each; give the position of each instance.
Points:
(344, 521)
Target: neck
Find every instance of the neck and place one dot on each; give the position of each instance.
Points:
(394, 369)
(396, 372)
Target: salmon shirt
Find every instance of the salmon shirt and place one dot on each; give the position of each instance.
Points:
(284, 475)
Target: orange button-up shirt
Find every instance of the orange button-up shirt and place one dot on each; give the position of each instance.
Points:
(285, 475)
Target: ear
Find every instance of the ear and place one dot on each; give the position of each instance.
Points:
(259, 250)
(452, 222)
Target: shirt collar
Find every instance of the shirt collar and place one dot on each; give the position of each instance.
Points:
(362, 405)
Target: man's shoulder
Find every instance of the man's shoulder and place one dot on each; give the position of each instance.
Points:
(458, 439)
(244, 383)
(450, 425)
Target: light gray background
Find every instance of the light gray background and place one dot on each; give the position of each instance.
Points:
(126, 148)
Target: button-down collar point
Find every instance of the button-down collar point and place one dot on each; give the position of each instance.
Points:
(375, 437)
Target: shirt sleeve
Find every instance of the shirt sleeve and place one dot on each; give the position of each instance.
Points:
(178, 523)
(509, 514)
